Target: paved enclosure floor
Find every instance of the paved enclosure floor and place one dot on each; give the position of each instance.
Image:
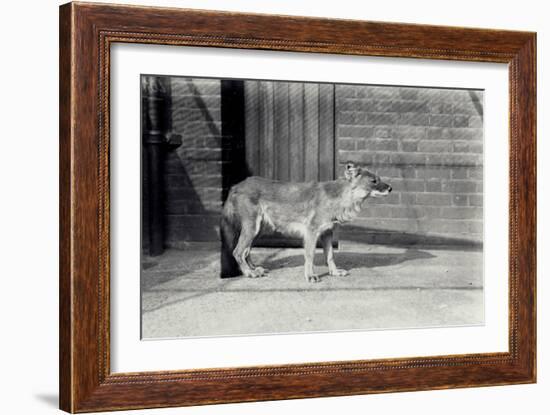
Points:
(182, 294)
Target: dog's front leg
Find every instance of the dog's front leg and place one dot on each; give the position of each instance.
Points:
(310, 241)
(326, 241)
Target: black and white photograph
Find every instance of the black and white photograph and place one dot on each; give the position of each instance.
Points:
(272, 207)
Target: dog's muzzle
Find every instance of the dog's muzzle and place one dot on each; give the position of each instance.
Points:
(381, 193)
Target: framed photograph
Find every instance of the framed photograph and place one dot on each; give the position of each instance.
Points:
(259, 207)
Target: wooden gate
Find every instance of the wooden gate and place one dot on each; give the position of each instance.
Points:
(289, 135)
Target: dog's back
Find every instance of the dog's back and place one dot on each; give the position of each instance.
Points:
(283, 206)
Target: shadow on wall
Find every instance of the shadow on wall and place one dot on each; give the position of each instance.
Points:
(476, 102)
(209, 115)
(226, 133)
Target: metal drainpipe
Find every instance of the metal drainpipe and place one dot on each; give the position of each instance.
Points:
(155, 139)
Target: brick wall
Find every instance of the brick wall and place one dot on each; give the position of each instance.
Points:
(428, 144)
(193, 171)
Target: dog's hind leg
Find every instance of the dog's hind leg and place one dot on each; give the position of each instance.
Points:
(249, 230)
(258, 269)
(310, 242)
(326, 241)
(255, 267)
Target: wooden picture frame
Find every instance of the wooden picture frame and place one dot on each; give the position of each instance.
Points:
(86, 33)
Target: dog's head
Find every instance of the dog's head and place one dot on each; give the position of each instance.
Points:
(365, 183)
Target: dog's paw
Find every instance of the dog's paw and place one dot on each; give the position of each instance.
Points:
(261, 271)
(313, 278)
(256, 272)
(339, 272)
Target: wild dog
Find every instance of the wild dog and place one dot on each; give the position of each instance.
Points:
(307, 210)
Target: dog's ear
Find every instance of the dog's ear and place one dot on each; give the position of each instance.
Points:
(352, 171)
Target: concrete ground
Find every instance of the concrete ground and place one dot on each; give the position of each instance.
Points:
(182, 294)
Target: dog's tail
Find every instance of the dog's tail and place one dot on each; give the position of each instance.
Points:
(229, 237)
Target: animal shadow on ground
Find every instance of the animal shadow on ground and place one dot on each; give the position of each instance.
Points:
(350, 260)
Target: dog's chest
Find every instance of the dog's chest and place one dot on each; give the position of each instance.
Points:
(350, 205)
(347, 212)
